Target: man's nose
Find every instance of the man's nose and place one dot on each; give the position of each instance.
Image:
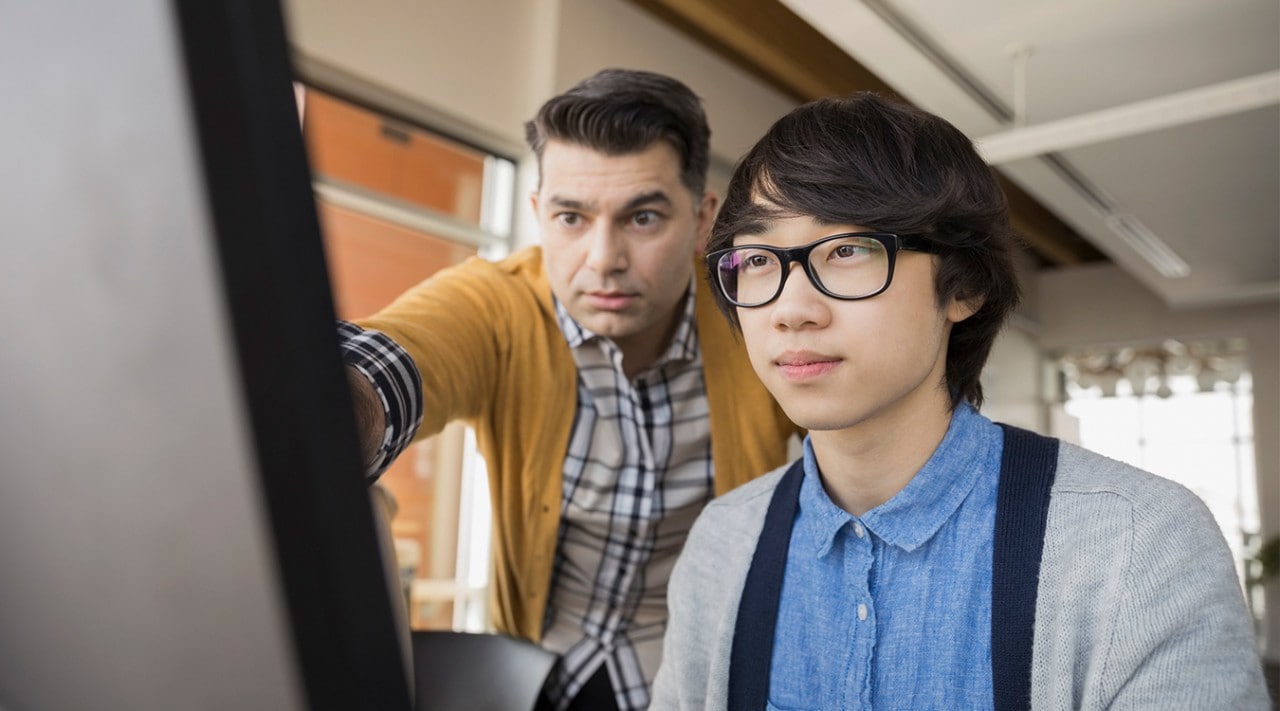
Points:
(607, 250)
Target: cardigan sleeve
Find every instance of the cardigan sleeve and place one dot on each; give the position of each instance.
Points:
(1139, 602)
(1182, 638)
(452, 326)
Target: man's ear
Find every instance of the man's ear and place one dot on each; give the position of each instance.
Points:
(533, 202)
(706, 218)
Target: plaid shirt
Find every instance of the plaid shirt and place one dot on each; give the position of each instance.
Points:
(636, 475)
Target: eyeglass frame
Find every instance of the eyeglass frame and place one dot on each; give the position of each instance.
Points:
(892, 243)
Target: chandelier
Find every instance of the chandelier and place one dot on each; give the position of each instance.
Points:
(1203, 365)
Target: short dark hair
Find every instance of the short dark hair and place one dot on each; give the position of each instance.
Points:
(621, 111)
(887, 166)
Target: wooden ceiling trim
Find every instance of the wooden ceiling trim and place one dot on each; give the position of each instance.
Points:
(1044, 232)
(770, 42)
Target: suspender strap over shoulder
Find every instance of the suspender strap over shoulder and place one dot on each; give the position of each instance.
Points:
(752, 653)
(1027, 469)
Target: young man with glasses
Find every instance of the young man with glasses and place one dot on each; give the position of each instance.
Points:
(609, 398)
(918, 555)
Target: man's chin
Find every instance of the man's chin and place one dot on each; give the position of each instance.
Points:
(612, 326)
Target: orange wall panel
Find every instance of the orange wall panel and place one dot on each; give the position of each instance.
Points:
(357, 146)
(345, 142)
(372, 261)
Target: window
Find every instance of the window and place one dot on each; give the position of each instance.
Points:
(398, 202)
(1180, 410)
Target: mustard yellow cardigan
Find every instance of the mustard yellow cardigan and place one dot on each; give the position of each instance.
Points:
(485, 338)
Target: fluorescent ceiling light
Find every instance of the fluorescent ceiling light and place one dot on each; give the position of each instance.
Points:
(1145, 242)
(1142, 117)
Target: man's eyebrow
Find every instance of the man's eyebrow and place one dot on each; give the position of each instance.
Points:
(657, 196)
(570, 203)
(649, 198)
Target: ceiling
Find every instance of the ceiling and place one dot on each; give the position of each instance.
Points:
(1146, 133)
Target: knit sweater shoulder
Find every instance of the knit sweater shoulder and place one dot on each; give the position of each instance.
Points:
(1138, 604)
(485, 339)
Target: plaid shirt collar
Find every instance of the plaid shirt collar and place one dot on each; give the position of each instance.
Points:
(684, 343)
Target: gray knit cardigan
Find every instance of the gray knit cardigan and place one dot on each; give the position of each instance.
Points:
(1139, 605)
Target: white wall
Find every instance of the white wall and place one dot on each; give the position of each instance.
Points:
(479, 61)
(1012, 379)
(1103, 305)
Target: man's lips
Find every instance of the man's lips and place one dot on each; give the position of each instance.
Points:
(799, 366)
(609, 300)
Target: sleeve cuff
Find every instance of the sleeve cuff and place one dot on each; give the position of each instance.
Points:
(395, 378)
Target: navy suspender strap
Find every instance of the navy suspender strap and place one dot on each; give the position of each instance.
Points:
(1027, 468)
(752, 652)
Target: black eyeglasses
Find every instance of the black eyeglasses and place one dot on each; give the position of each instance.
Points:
(847, 266)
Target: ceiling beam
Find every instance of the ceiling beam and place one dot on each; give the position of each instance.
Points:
(772, 43)
(1140, 117)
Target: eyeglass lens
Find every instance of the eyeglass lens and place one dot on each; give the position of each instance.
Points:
(850, 266)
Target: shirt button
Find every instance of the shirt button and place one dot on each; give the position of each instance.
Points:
(862, 611)
(857, 530)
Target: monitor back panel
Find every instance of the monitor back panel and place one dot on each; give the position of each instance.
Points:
(143, 559)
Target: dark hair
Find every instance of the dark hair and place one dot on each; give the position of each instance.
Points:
(621, 111)
(887, 166)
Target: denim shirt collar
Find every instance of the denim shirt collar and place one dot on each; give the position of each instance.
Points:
(915, 514)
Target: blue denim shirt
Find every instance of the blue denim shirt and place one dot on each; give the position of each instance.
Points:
(892, 610)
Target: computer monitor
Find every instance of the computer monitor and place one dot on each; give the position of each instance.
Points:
(183, 520)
